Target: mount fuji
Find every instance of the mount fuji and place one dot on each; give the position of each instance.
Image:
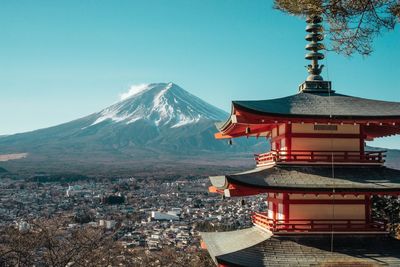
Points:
(164, 105)
(159, 122)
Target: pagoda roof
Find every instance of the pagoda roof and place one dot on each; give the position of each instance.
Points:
(220, 243)
(315, 250)
(291, 178)
(322, 104)
(381, 118)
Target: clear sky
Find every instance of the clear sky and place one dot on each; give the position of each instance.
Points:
(61, 60)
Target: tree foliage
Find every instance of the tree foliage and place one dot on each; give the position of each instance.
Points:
(48, 243)
(352, 24)
(387, 208)
(52, 243)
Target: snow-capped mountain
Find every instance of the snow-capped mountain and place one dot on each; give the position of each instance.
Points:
(166, 105)
(154, 122)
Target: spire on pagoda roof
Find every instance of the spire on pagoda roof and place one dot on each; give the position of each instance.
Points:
(314, 29)
(314, 81)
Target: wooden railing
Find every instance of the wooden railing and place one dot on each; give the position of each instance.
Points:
(296, 156)
(320, 225)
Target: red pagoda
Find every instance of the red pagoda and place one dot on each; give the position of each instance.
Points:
(319, 178)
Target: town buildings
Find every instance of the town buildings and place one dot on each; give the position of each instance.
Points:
(82, 204)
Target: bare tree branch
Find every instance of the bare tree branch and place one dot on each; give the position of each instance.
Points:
(352, 25)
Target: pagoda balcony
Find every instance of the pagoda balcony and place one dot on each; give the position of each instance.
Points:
(318, 226)
(320, 157)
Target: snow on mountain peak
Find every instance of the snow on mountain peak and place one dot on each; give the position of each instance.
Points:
(164, 104)
(134, 90)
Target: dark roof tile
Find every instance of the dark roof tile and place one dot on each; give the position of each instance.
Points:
(315, 250)
(322, 105)
(342, 178)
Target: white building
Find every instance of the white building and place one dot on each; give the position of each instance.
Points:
(160, 216)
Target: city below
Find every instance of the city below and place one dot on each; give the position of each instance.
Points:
(142, 214)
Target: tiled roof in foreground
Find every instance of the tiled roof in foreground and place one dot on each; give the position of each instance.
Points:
(320, 178)
(220, 243)
(322, 105)
(315, 250)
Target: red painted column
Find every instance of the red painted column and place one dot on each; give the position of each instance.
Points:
(277, 140)
(274, 210)
(286, 207)
(288, 140)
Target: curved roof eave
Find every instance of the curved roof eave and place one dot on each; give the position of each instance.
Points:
(311, 178)
(320, 105)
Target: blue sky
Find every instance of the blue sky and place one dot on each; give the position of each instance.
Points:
(61, 60)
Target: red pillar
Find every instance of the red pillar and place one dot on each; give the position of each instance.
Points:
(288, 134)
(286, 207)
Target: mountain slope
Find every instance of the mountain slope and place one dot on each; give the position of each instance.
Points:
(159, 122)
(167, 105)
